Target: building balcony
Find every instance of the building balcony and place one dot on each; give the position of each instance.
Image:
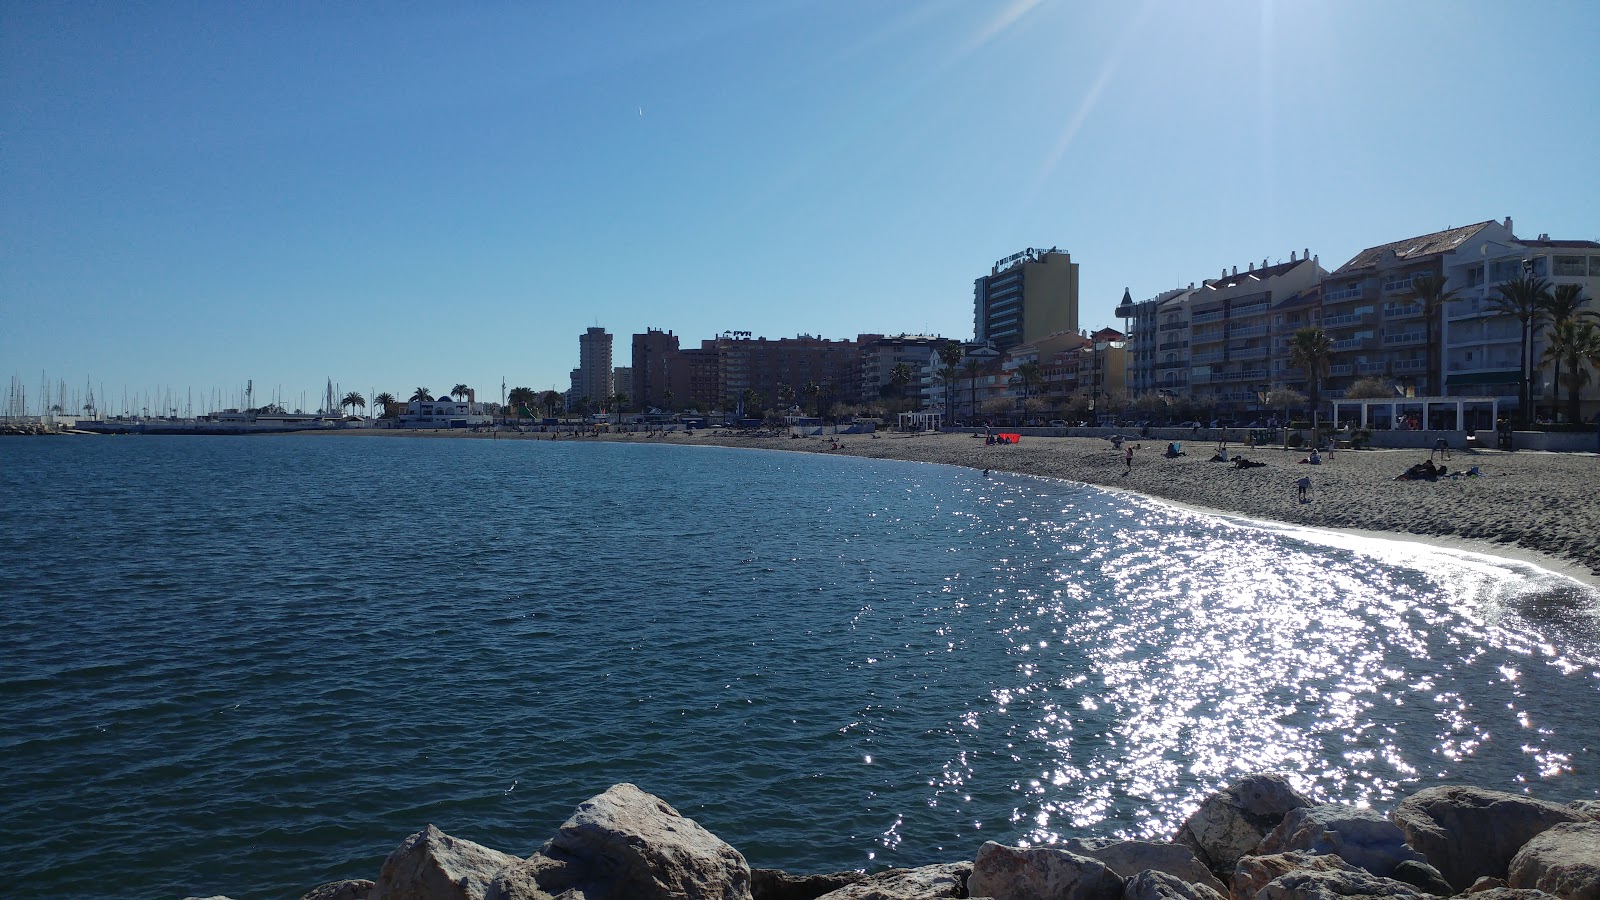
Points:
(1180, 364)
(1245, 331)
(1345, 294)
(1395, 285)
(1346, 320)
(1410, 311)
(1197, 359)
(1405, 338)
(1243, 375)
(1175, 345)
(1173, 326)
(1356, 343)
(1409, 365)
(1372, 368)
(1248, 353)
(1341, 370)
(1251, 309)
(1214, 316)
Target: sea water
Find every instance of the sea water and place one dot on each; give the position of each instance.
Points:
(249, 665)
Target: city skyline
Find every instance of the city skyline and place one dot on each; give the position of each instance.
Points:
(195, 197)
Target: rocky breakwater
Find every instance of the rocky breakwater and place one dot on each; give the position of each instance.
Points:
(1256, 840)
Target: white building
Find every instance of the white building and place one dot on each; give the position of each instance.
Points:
(445, 412)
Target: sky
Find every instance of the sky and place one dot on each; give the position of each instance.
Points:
(400, 195)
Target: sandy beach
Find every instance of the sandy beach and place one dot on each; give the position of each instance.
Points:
(1539, 507)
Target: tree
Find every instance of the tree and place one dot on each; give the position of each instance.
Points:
(1574, 342)
(421, 395)
(382, 402)
(550, 400)
(752, 401)
(1524, 299)
(667, 399)
(950, 362)
(522, 400)
(813, 391)
(1032, 376)
(619, 402)
(972, 368)
(460, 391)
(353, 400)
(899, 377)
(1310, 349)
(1371, 388)
(1433, 296)
(1565, 306)
(785, 396)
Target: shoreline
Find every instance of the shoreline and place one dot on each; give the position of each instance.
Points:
(1532, 507)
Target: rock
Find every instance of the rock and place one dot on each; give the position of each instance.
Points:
(626, 843)
(1017, 873)
(349, 889)
(1128, 858)
(1590, 808)
(1230, 824)
(1424, 876)
(432, 865)
(1468, 832)
(1505, 893)
(1564, 860)
(925, 883)
(1486, 884)
(1341, 885)
(1152, 884)
(1361, 837)
(776, 884)
(1252, 873)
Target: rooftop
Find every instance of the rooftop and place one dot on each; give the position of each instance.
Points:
(1413, 248)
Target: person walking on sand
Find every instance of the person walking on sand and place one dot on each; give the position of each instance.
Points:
(1127, 458)
(1304, 484)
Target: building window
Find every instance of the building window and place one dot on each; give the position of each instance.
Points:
(1570, 265)
(1594, 266)
(1474, 276)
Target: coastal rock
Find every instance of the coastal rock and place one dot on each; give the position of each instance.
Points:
(1232, 822)
(349, 889)
(1342, 885)
(1424, 876)
(1565, 861)
(1252, 873)
(1486, 884)
(1152, 884)
(776, 884)
(925, 883)
(1017, 873)
(1468, 832)
(432, 865)
(1506, 893)
(627, 843)
(1127, 858)
(1363, 838)
(1590, 808)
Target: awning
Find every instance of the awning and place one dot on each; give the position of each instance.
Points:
(1485, 378)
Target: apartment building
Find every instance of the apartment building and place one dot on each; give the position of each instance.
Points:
(920, 353)
(1026, 296)
(594, 370)
(1373, 317)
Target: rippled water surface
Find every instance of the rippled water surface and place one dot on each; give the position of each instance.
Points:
(248, 665)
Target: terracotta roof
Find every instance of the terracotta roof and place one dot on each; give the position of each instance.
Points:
(1258, 275)
(1413, 248)
(1562, 245)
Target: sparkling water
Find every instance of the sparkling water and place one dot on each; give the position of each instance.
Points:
(250, 665)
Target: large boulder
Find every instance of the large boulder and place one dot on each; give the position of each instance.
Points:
(1590, 808)
(1151, 884)
(432, 865)
(1030, 873)
(925, 883)
(349, 889)
(1252, 873)
(776, 884)
(1564, 860)
(1351, 885)
(1363, 838)
(1468, 832)
(1422, 875)
(1507, 893)
(1232, 822)
(627, 843)
(1128, 858)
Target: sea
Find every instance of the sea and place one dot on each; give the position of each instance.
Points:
(249, 665)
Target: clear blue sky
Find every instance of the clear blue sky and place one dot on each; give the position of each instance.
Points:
(396, 195)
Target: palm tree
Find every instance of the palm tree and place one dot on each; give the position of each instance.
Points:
(667, 398)
(1032, 376)
(1523, 299)
(382, 402)
(1565, 306)
(899, 377)
(550, 400)
(812, 390)
(950, 357)
(619, 401)
(1574, 342)
(785, 396)
(1310, 349)
(353, 400)
(973, 368)
(752, 401)
(1433, 296)
(522, 400)
(421, 395)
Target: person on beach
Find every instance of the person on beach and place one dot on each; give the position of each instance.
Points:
(1441, 447)
(1312, 460)
(1127, 458)
(1304, 484)
(1174, 450)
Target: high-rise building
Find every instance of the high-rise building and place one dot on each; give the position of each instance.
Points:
(653, 385)
(594, 366)
(1026, 296)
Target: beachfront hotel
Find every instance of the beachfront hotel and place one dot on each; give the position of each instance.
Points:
(594, 372)
(1026, 296)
